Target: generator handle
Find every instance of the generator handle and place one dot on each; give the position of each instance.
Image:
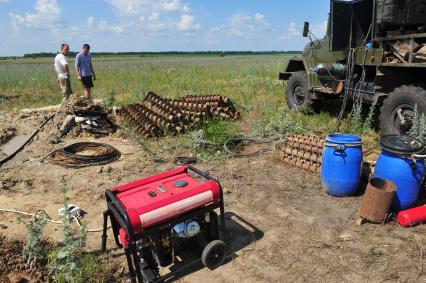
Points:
(222, 206)
(120, 213)
(201, 173)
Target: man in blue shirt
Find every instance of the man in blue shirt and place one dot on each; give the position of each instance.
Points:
(84, 69)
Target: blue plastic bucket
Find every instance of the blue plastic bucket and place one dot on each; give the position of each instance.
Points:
(407, 174)
(341, 164)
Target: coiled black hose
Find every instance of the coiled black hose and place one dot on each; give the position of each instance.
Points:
(84, 154)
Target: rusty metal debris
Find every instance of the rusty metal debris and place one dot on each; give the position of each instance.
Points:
(377, 200)
(158, 116)
(304, 152)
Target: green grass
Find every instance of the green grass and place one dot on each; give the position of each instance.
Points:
(243, 78)
(250, 81)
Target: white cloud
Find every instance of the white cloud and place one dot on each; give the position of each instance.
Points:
(188, 23)
(172, 6)
(217, 28)
(242, 24)
(144, 7)
(259, 18)
(293, 31)
(238, 24)
(47, 16)
(104, 26)
(154, 16)
(90, 22)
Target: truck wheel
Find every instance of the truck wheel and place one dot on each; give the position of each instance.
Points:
(214, 254)
(397, 112)
(297, 94)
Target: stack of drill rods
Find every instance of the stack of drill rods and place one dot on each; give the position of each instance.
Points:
(305, 147)
(159, 116)
(154, 102)
(206, 98)
(185, 116)
(162, 111)
(226, 112)
(312, 140)
(301, 163)
(306, 155)
(194, 106)
(138, 128)
(304, 151)
(146, 120)
(212, 101)
(181, 117)
(158, 120)
(214, 105)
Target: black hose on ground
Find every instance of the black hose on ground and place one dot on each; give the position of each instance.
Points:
(84, 154)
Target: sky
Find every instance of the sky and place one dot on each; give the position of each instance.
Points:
(30, 26)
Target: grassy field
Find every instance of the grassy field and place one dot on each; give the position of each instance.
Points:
(250, 81)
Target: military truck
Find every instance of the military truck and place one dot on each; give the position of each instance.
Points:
(374, 50)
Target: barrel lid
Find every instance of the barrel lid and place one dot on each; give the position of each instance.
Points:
(401, 144)
(344, 139)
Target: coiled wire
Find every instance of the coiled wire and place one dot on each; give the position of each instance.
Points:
(84, 154)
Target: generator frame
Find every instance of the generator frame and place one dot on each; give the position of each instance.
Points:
(119, 218)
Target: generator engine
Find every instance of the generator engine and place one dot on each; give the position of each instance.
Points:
(157, 218)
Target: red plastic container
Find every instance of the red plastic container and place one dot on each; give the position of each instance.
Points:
(413, 216)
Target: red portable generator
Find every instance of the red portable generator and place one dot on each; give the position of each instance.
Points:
(155, 218)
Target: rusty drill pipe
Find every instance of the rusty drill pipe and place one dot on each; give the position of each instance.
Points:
(158, 120)
(146, 125)
(160, 111)
(140, 112)
(139, 131)
(158, 104)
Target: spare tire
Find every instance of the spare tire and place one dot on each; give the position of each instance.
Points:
(397, 112)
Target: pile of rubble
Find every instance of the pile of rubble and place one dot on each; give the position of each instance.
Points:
(303, 151)
(158, 116)
(77, 115)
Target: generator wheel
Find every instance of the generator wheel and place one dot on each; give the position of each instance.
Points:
(298, 96)
(397, 112)
(214, 254)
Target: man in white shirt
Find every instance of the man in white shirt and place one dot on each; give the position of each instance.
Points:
(61, 67)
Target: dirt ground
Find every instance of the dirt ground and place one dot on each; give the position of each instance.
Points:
(282, 226)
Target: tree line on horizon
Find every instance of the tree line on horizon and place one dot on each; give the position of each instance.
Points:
(150, 54)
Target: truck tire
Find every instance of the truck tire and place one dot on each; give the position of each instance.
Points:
(401, 104)
(298, 95)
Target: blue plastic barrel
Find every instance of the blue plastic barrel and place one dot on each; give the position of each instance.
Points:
(407, 174)
(341, 164)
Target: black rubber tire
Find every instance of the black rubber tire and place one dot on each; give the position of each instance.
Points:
(404, 98)
(298, 96)
(214, 254)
